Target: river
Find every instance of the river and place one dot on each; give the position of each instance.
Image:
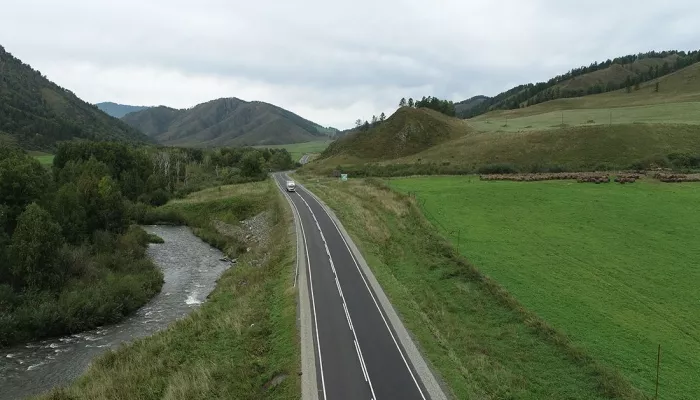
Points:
(190, 267)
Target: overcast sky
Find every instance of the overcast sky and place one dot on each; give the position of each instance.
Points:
(329, 61)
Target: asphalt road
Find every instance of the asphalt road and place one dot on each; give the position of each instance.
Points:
(357, 354)
(304, 159)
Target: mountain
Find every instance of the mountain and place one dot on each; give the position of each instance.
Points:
(226, 122)
(620, 73)
(118, 110)
(36, 113)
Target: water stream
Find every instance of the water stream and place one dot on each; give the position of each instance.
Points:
(190, 267)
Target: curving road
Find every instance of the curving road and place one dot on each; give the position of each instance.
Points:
(357, 353)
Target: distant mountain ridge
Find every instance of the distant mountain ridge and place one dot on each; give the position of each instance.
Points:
(118, 110)
(35, 113)
(226, 122)
(610, 75)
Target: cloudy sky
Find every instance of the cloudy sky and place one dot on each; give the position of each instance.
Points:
(329, 61)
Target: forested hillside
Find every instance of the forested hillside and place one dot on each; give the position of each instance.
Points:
(36, 113)
(226, 122)
(620, 73)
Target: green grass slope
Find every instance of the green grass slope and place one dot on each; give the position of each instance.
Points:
(225, 122)
(118, 110)
(582, 147)
(606, 264)
(37, 113)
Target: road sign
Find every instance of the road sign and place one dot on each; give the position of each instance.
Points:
(343, 177)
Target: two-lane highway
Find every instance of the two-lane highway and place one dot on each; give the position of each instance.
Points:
(357, 352)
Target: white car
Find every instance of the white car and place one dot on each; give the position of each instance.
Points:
(291, 186)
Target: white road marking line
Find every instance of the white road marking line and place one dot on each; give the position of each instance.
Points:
(370, 293)
(347, 315)
(313, 300)
(359, 356)
(330, 258)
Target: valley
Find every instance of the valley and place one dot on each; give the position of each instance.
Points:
(499, 276)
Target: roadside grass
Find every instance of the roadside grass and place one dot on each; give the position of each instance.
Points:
(613, 266)
(476, 336)
(297, 150)
(674, 113)
(237, 342)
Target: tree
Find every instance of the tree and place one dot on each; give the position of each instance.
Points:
(410, 102)
(382, 117)
(656, 87)
(374, 120)
(112, 215)
(358, 123)
(402, 103)
(22, 181)
(35, 242)
(251, 164)
(70, 214)
(365, 126)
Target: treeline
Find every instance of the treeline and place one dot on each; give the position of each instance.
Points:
(446, 107)
(70, 257)
(530, 94)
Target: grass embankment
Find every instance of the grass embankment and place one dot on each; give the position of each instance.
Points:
(239, 340)
(484, 345)
(613, 266)
(296, 150)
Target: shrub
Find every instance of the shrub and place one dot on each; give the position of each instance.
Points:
(503, 168)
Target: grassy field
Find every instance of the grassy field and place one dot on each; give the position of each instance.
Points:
(615, 267)
(299, 149)
(242, 338)
(482, 343)
(675, 113)
(44, 158)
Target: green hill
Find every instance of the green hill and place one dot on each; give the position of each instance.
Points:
(407, 131)
(36, 113)
(610, 75)
(226, 122)
(118, 110)
(647, 126)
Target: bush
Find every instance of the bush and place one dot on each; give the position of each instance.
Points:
(498, 169)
